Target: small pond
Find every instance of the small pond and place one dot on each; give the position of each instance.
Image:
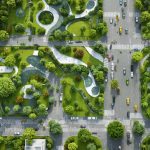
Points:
(35, 61)
(95, 90)
(90, 4)
(88, 81)
(29, 72)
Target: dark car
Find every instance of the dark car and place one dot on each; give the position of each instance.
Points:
(125, 3)
(112, 105)
(110, 46)
(114, 99)
(128, 114)
(129, 137)
(132, 67)
(82, 126)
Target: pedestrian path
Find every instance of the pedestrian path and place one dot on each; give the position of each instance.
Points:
(136, 116)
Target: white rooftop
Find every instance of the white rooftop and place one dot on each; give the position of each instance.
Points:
(37, 144)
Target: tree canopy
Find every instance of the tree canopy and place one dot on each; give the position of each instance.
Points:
(138, 128)
(7, 87)
(115, 129)
(55, 127)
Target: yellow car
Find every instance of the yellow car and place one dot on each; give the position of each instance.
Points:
(128, 101)
(120, 29)
(135, 108)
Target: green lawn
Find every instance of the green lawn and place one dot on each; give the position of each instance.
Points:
(75, 27)
(13, 19)
(76, 97)
(87, 58)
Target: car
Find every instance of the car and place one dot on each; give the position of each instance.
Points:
(78, 41)
(120, 29)
(61, 97)
(112, 105)
(129, 136)
(125, 3)
(126, 31)
(131, 74)
(136, 19)
(114, 99)
(94, 132)
(124, 71)
(110, 47)
(132, 67)
(120, 2)
(112, 75)
(128, 101)
(83, 126)
(17, 133)
(135, 108)
(123, 13)
(128, 114)
(112, 66)
(135, 49)
(111, 20)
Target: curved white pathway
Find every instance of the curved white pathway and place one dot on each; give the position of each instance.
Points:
(55, 15)
(63, 59)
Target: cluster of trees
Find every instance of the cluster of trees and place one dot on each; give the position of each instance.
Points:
(99, 72)
(78, 6)
(78, 53)
(19, 28)
(84, 136)
(99, 48)
(145, 143)
(64, 10)
(115, 129)
(55, 128)
(46, 17)
(137, 56)
(143, 6)
(61, 35)
(138, 128)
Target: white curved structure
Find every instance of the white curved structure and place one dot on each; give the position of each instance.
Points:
(63, 59)
(55, 15)
(94, 54)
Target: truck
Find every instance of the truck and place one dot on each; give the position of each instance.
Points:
(132, 70)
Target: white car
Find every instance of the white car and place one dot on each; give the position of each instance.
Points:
(131, 74)
(17, 133)
(112, 75)
(61, 97)
(136, 19)
(112, 66)
(111, 21)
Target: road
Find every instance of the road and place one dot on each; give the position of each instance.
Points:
(125, 43)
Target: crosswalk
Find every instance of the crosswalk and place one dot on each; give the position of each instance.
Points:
(106, 63)
(126, 46)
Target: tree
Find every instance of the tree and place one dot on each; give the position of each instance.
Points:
(91, 146)
(137, 56)
(72, 146)
(19, 28)
(36, 84)
(40, 5)
(27, 110)
(145, 17)
(69, 109)
(138, 4)
(36, 95)
(19, 99)
(82, 29)
(41, 31)
(138, 128)
(4, 35)
(78, 53)
(11, 3)
(16, 108)
(32, 116)
(115, 129)
(55, 127)
(42, 107)
(29, 133)
(1, 139)
(114, 84)
(84, 135)
(10, 61)
(23, 64)
(7, 87)
(93, 33)
(50, 66)
(7, 109)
